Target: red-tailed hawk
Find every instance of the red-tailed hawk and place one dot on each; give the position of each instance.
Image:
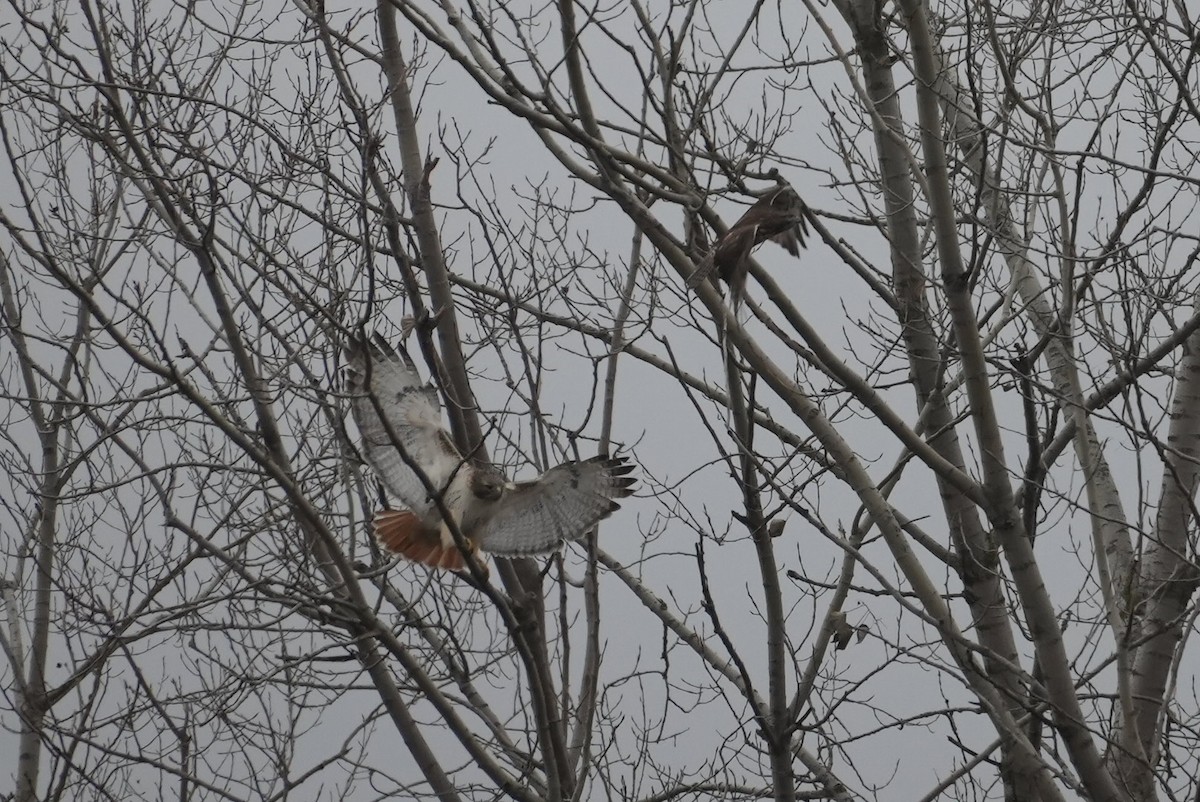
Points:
(492, 513)
(779, 215)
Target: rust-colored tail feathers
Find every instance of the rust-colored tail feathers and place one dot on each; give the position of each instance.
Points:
(401, 532)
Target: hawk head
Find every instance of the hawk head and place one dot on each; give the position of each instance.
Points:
(487, 485)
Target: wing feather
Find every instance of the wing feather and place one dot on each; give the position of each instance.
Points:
(790, 239)
(795, 226)
(377, 372)
(734, 248)
(703, 268)
(564, 503)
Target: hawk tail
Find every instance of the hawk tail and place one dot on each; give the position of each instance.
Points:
(403, 533)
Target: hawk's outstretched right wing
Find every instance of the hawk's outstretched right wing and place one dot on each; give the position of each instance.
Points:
(564, 503)
(414, 414)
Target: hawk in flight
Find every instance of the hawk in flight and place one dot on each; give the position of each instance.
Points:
(400, 422)
(779, 215)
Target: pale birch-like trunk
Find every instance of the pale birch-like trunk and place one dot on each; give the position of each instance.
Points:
(1038, 609)
(51, 410)
(1167, 583)
(978, 555)
(1114, 554)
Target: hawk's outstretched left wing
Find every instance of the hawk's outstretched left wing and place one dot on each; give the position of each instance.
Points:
(564, 503)
(414, 415)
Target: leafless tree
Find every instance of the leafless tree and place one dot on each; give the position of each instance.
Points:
(918, 521)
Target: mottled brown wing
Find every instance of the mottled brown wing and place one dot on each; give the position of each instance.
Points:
(790, 225)
(734, 248)
(564, 503)
(792, 239)
(779, 215)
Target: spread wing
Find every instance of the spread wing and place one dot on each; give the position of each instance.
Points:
(564, 503)
(378, 371)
